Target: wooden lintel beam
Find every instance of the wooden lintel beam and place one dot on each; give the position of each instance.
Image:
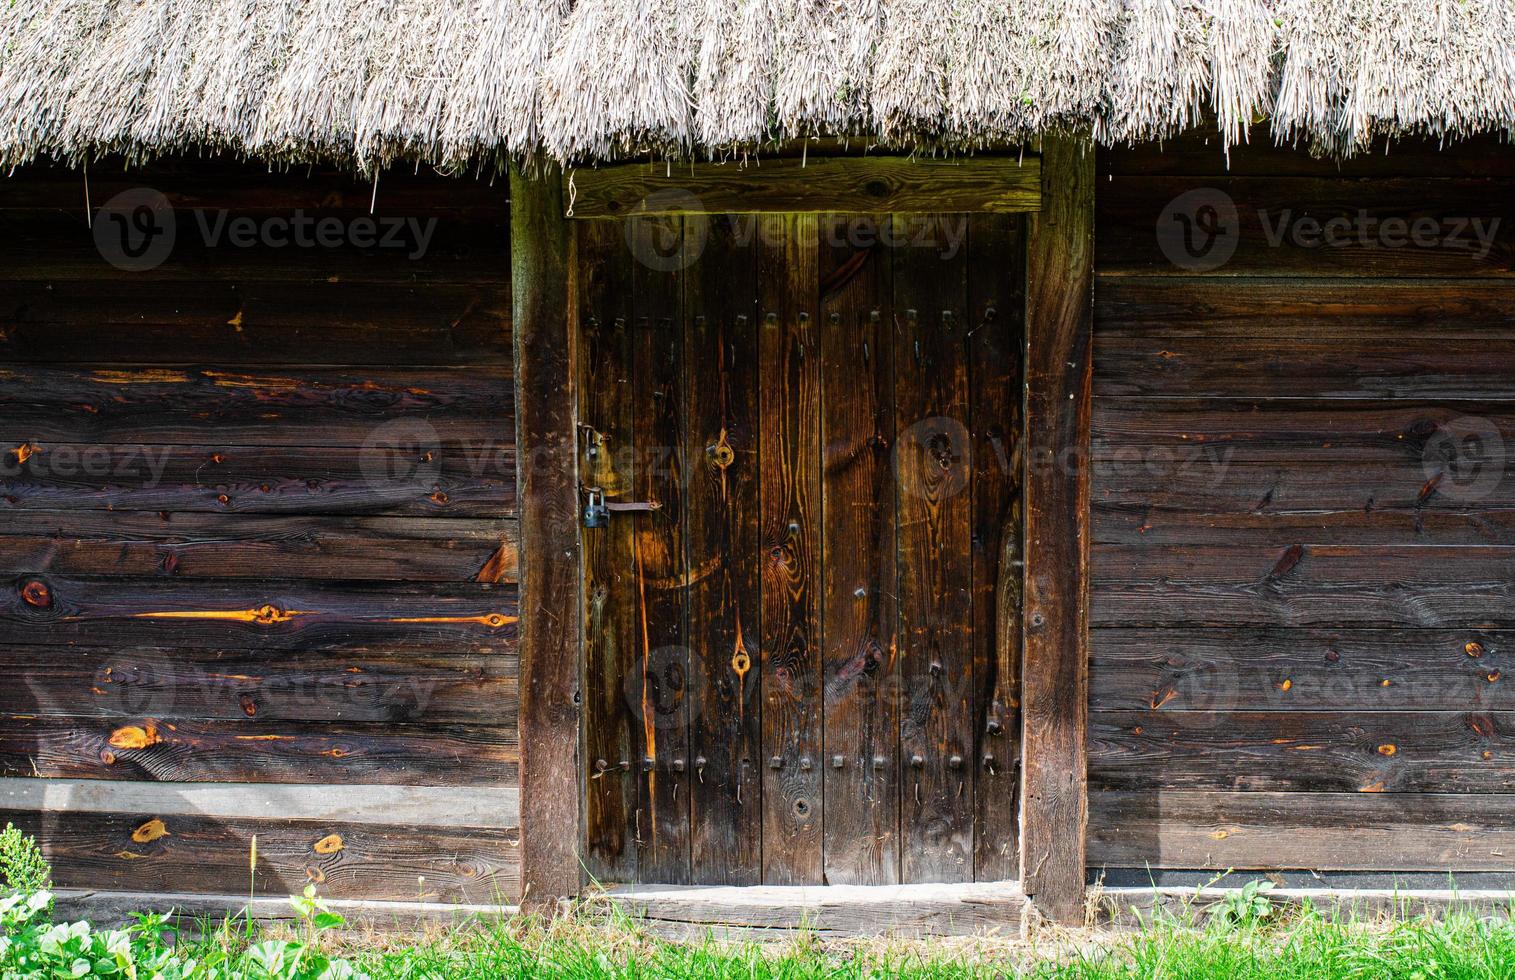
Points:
(1059, 322)
(819, 185)
(542, 261)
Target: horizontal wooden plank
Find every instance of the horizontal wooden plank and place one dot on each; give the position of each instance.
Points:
(1318, 831)
(1297, 227)
(1348, 751)
(232, 246)
(1382, 367)
(254, 546)
(254, 750)
(256, 615)
(134, 322)
(1200, 152)
(1296, 431)
(1338, 586)
(1125, 515)
(188, 909)
(301, 407)
(1186, 669)
(1303, 310)
(831, 185)
(401, 471)
(360, 685)
(476, 805)
(151, 852)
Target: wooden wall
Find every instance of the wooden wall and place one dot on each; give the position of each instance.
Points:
(257, 539)
(1304, 552)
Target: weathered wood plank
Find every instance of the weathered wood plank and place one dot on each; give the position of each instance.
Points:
(1300, 227)
(353, 684)
(545, 335)
(152, 852)
(858, 572)
(721, 456)
(301, 407)
(263, 615)
(1060, 258)
(171, 749)
(661, 664)
(829, 185)
(1347, 751)
(1317, 831)
(475, 805)
(1335, 586)
(1303, 310)
(790, 501)
(189, 545)
(934, 502)
(608, 461)
(1374, 519)
(250, 323)
(996, 303)
(399, 472)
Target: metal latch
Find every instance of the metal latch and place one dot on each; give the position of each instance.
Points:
(597, 510)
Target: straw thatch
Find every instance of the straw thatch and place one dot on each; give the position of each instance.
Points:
(453, 81)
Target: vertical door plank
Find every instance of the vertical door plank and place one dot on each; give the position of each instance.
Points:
(934, 502)
(659, 685)
(721, 452)
(1054, 705)
(789, 452)
(542, 268)
(996, 303)
(611, 739)
(861, 738)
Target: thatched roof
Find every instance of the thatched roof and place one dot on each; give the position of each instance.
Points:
(453, 81)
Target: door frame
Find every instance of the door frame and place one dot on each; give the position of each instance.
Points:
(1057, 189)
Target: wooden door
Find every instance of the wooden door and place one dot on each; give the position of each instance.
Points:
(801, 604)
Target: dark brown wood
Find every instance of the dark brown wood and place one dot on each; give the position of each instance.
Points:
(721, 459)
(830, 185)
(190, 545)
(1199, 669)
(1347, 751)
(1059, 301)
(790, 500)
(996, 303)
(253, 750)
(661, 665)
(858, 573)
(1200, 152)
(611, 640)
(1316, 831)
(1337, 586)
(1141, 523)
(934, 507)
(355, 684)
(149, 851)
(542, 260)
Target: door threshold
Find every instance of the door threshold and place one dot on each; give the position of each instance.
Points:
(776, 911)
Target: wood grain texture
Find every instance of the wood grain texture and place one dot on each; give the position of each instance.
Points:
(545, 328)
(830, 185)
(996, 356)
(1317, 831)
(1347, 751)
(607, 460)
(151, 852)
(1060, 257)
(934, 506)
(790, 502)
(858, 571)
(725, 708)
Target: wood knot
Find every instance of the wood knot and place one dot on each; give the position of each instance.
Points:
(150, 831)
(135, 736)
(330, 844)
(36, 593)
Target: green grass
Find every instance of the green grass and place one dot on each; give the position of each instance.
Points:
(1302, 945)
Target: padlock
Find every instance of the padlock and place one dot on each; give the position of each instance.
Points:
(596, 514)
